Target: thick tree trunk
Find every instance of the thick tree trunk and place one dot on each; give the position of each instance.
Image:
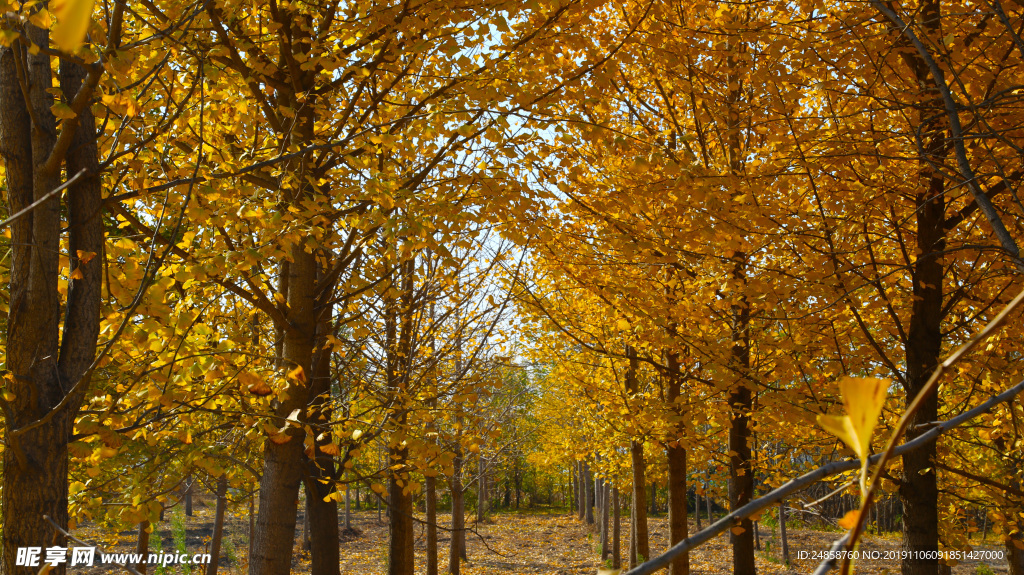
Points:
(48, 379)
(677, 525)
(321, 516)
(218, 525)
(400, 528)
(284, 465)
(189, 489)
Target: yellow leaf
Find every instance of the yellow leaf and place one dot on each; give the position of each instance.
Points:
(73, 18)
(622, 324)
(62, 111)
(298, 374)
(864, 398)
(841, 427)
(737, 530)
(850, 519)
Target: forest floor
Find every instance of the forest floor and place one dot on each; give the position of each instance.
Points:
(506, 543)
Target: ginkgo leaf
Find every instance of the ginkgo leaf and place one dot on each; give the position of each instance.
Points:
(864, 398)
(280, 438)
(73, 18)
(62, 111)
(298, 374)
(254, 383)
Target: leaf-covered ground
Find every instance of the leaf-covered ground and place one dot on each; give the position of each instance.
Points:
(534, 542)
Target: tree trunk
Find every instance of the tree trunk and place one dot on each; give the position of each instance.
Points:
(399, 359)
(741, 480)
(400, 528)
(696, 507)
(481, 491)
(782, 532)
(604, 522)
(142, 546)
(457, 549)
(322, 516)
(711, 518)
(572, 485)
(47, 368)
(188, 497)
(616, 530)
(677, 524)
(304, 543)
(588, 485)
(1015, 554)
(677, 500)
(218, 525)
(581, 495)
(639, 473)
(348, 509)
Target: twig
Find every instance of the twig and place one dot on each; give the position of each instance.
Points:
(43, 199)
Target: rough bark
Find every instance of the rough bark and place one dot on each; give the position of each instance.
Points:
(321, 516)
(677, 512)
(48, 381)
